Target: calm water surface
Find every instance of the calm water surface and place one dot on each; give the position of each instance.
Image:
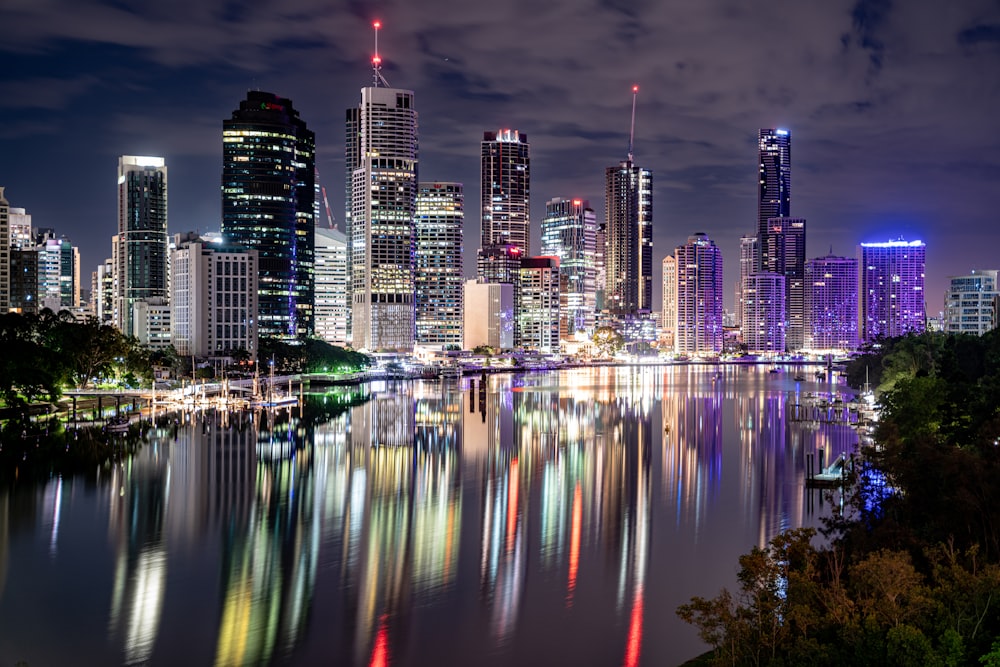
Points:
(559, 519)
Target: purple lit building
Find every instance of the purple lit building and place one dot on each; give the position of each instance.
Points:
(831, 303)
(699, 296)
(891, 298)
(763, 313)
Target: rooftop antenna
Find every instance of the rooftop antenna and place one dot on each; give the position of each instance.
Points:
(631, 133)
(377, 60)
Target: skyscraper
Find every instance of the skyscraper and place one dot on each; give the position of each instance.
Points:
(748, 266)
(382, 162)
(506, 191)
(763, 313)
(269, 205)
(775, 182)
(538, 319)
(569, 232)
(439, 278)
(332, 300)
(891, 289)
(970, 304)
(4, 253)
(668, 314)
(783, 248)
(628, 255)
(699, 296)
(141, 262)
(831, 303)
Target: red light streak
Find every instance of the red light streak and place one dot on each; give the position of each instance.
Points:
(512, 506)
(574, 544)
(380, 653)
(634, 644)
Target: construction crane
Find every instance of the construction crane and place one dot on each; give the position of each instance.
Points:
(326, 202)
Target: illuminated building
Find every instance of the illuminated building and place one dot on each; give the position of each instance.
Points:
(569, 232)
(439, 278)
(970, 304)
(699, 297)
(151, 323)
(668, 316)
(4, 253)
(538, 318)
(628, 255)
(332, 302)
(748, 266)
(784, 252)
(831, 303)
(20, 228)
(268, 205)
(24, 280)
(382, 164)
(506, 185)
(102, 291)
(214, 298)
(891, 289)
(141, 264)
(764, 313)
(774, 186)
(489, 315)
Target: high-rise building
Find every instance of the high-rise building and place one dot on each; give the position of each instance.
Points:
(24, 280)
(668, 314)
(439, 277)
(538, 318)
(699, 297)
(775, 185)
(269, 205)
(763, 313)
(4, 253)
(489, 315)
(970, 304)
(891, 297)
(21, 235)
(784, 252)
(748, 267)
(151, 323)
(382, 161)
(569, 232)
(141, 262)
(333, 304)
(831, 303)
(49, 250)
(506, 190)
(214, 300)
(628, 255)
(102, 291)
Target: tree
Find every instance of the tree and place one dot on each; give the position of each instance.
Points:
(608, 341)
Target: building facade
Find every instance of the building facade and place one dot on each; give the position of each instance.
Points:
(439, 276)
(763, 313)
(970, 304)
(382, 160)
(489, 315)
(269, 205)
(699, 297)
(668, 314)
(332, 306)
(4, 253)
(748, 267)
(214, 299)
(783, 248)
(831, 305)
(891, 298)
(505, 157)
(151, 323)
(774, 152)
(628, 254)
(569, 232)
(538, 319)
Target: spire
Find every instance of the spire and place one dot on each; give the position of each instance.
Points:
(631, 134)
(377, 60)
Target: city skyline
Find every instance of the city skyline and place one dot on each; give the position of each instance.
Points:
(889, 107)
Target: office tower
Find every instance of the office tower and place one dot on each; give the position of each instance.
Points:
(215, 290)
(151, 323)
(784, 252)
(569, 232)
(831, 303)
(49, 250)
(748, 267)
(891, 289)
(489, 315)
(4, 253)
(382, 163)
(506, 185)
(20, 228)
(774, 182)
(763, 313)
(69, 274)
(538, 318)
(140, 247)
(24, 280)
(699, 297)
(628, 254)
(269, 205)
(668, 314)
(439, 276)
(333, 304)
(971, 301)
(103, 291)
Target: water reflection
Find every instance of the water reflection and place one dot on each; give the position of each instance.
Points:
(494, 522)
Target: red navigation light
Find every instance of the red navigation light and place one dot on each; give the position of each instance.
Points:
(576, 202)
(376, 60)
(635, 89)
(377, 24)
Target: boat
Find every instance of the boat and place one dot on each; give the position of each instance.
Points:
(450, 373)
(117, 424)
(800, 378)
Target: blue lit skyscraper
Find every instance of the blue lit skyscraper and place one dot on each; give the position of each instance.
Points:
(891, 289)
(268, 205)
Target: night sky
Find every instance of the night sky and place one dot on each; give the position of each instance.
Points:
(894, 107)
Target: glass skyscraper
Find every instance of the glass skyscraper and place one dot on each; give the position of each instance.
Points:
(784, 252)
(892, 289)
(506, 191)
(628, 256)
(269, 205)
(439, 278)
(569, 232)
(774, 183)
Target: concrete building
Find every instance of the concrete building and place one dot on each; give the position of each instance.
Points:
(763, 313)
(831, 304)
(151, 323)
(214, 300)
(748, 267)
(489, 315)
(668, 314)
(891, 285)
(4, 253)
(439, 273)
(332, 308)
(569, 232)
(970, 304)
(21, 235)
(538, 319)
(699, 297)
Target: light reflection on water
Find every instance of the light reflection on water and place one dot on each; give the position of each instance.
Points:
(551, 518)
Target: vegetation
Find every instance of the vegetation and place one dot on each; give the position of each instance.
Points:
(910, 575)
(310, 355)
(607, 341)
